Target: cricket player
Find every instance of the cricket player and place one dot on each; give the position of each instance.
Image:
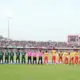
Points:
(6, 56)
(29, 54)
(60, 57)
(72, 57)
(12, 56)
(66, 55)
(53, 56)
(76, 54)
(34, 57)
(23, 53)
(18, 56)
(46, 57)
(1, 56)
(40, 57)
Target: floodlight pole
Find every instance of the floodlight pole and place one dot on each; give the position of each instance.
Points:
(8, 28)
(9, 18)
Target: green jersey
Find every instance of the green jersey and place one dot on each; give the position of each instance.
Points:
(17, 54)
(11, 54)
(1, 54)
(23, 54)
(6, 54)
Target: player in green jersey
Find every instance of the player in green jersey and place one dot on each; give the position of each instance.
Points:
(18, 56)
(1, 56)
(6, 56)
(12, 56)
(23, 53)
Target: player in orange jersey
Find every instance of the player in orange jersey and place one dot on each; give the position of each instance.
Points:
(72, 57)
(66, 57)
(76, 57)
(46, 57)
(53, 56)
(60, 57)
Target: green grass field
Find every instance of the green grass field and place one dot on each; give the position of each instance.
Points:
(39, 72)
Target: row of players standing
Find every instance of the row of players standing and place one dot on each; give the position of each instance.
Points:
(8, 57)
(66, 57)
(32, 56)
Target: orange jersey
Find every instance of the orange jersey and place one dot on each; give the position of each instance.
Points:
(60, 54)
(45, 54)
(76, 54)
(65, 54)
(53, 52)
(72, 54)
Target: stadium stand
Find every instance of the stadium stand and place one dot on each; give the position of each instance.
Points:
(4, 42)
